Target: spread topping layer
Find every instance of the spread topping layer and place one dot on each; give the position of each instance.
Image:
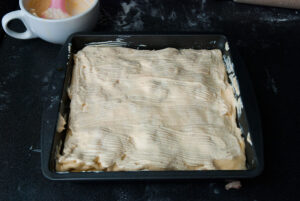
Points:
(164, 109)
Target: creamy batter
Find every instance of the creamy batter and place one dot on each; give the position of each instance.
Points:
(167, 109)
(74, 7)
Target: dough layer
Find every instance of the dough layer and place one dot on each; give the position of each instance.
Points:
(166, 109)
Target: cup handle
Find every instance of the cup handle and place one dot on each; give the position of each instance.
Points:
(18, 14)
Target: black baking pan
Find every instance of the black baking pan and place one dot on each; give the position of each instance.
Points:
(57, 101)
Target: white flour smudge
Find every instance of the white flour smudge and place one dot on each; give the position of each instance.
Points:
(137, 24)
(34, 150)
(203, 4)
(37, 150)
(4, 100)
(127, 7)
(249, 139)
(54, 100)
(5, 96)
(203, 18)
(191, 23)
(217, 191)
(274, 88)
(125, 22)
(154, 12)
(172, 16)
(47, 77)
(270, 17)
(271, 83)
(12, 75)
(273, 19)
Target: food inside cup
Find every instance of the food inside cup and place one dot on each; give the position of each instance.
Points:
(47, 9)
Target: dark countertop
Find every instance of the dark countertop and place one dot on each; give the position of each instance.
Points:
(268, 40)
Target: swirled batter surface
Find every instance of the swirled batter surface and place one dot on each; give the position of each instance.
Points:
(166, 109)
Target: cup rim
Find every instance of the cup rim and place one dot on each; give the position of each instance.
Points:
(21, 4)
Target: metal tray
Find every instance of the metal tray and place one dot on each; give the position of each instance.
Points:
(58, 102)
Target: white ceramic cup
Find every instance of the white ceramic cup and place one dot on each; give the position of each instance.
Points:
(53, 31)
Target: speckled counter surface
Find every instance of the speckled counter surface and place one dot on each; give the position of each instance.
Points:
(268, 40)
